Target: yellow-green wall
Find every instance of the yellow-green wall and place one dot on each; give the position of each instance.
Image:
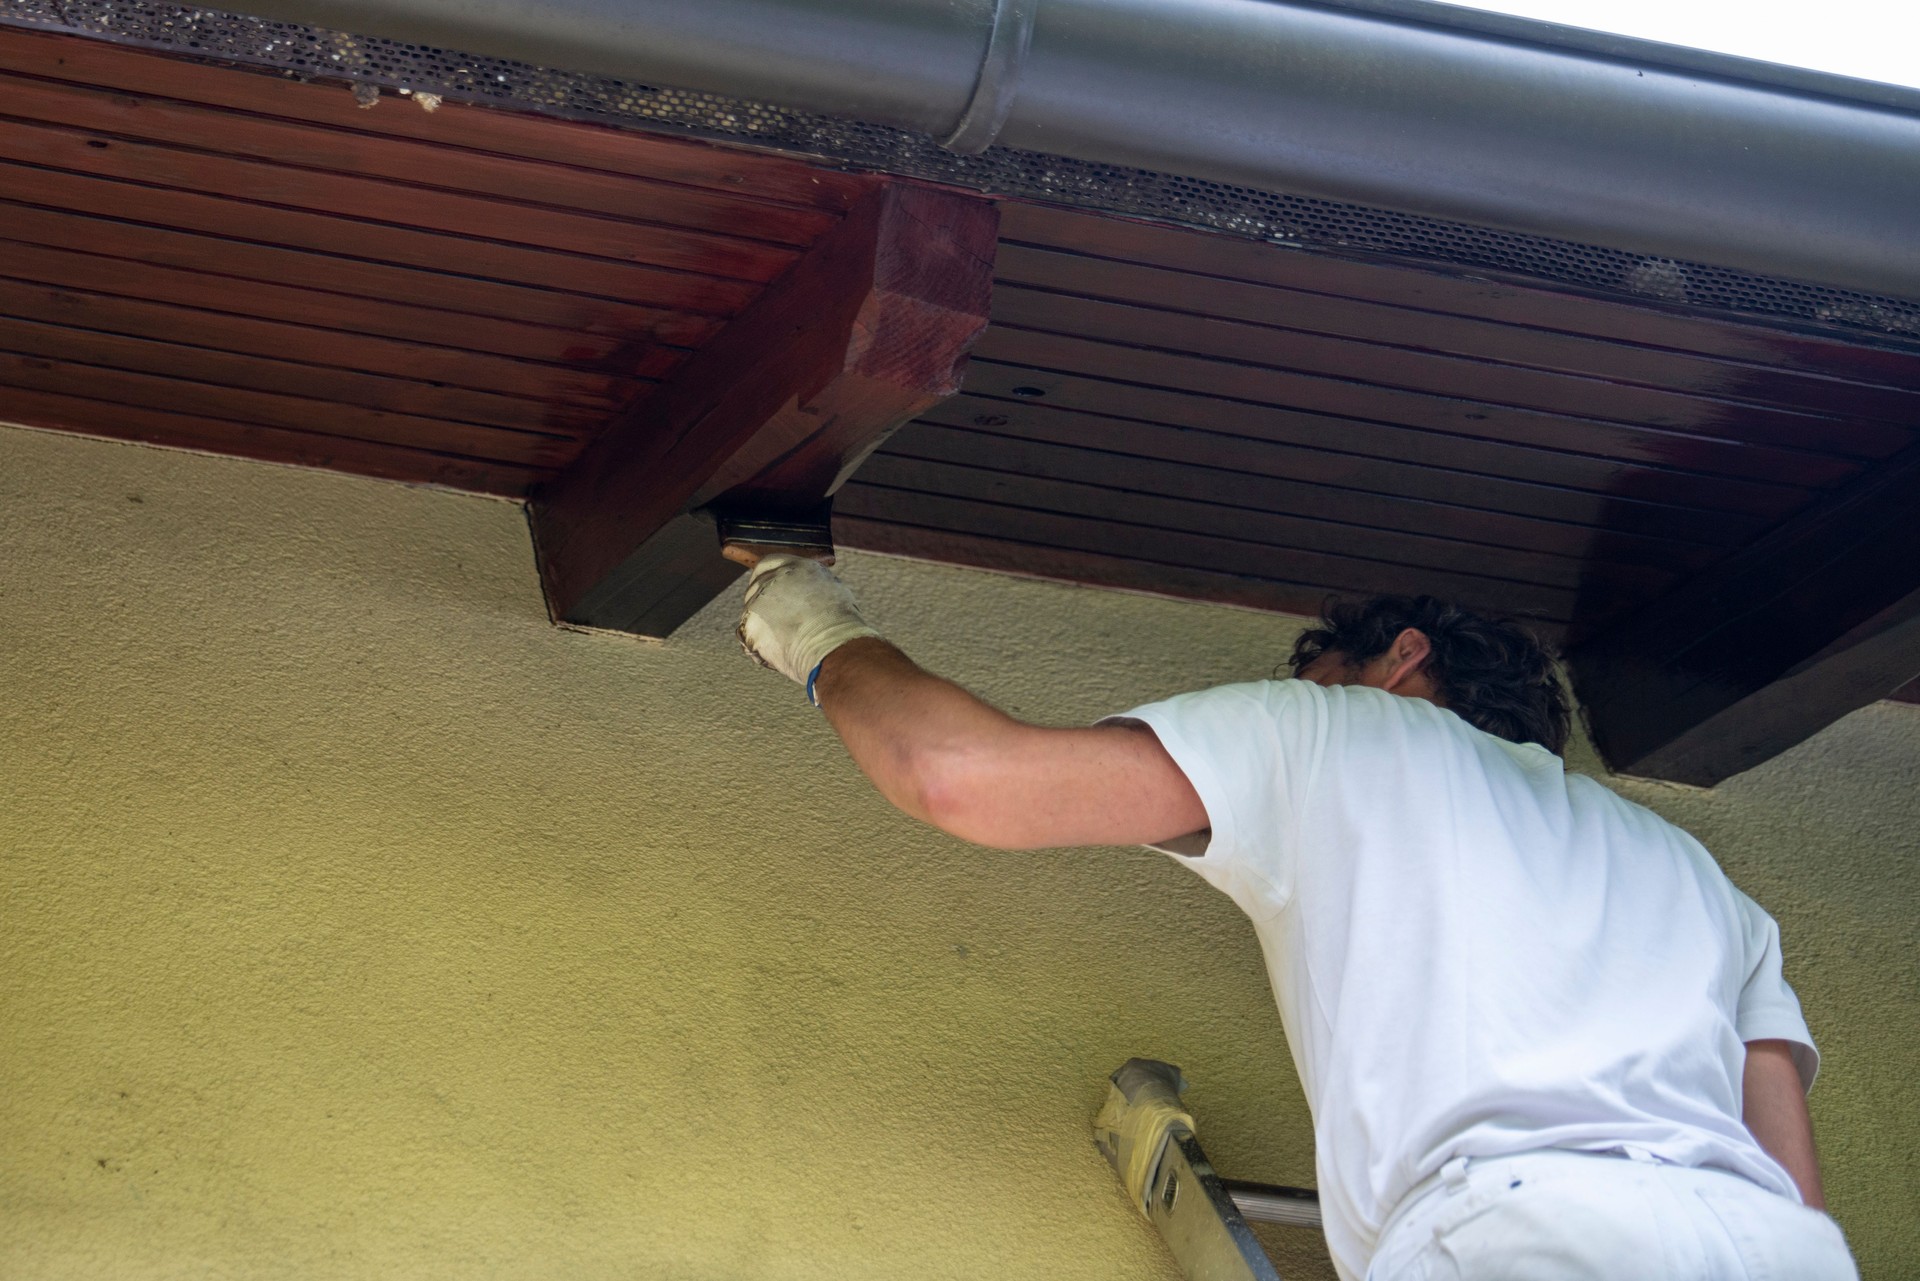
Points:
(356, 922)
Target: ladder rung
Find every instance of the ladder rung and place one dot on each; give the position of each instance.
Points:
(1264, 1203)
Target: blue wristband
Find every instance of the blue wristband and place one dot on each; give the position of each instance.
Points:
(813, 676)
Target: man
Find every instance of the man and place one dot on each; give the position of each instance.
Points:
(1541, 1034)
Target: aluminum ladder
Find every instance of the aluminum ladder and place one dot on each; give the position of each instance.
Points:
(1147, 1136)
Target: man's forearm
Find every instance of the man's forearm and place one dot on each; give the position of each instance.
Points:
(1774, 1107)
(952, 760)
(947, 757)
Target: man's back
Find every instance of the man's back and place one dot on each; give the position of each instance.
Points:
(1474, 953)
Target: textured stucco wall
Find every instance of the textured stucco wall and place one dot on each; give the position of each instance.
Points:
(354, 922)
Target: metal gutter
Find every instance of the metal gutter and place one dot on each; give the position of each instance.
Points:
(1384, 102)
(1638, 52)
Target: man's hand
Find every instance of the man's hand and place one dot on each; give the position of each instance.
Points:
(796, 613)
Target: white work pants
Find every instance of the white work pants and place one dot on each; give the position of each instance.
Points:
(1580, 1216)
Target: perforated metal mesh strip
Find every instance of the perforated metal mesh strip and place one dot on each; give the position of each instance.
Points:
(1262, 215)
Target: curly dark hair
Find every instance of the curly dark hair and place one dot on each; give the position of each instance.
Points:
(1493, 674)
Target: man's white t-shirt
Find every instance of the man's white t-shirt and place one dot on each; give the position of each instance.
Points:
(1474, 953)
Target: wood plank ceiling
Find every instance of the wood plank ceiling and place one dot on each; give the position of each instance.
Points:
(1156, 407)
(223, 259)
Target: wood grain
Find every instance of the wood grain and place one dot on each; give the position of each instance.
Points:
(346, 387)
(497, 220)
(1627, 479)
(221, 215)
(1471, 380)
(1817, 618)
(870, 329)
(1508, 513)
(1534, 550)
(744, 175)
(523, 181)
(251, 278)
(1364, 320)
(1342, 398)
(60, 376)
(1779, 342)
(304, 448)
(592, 396)
(1082, 532)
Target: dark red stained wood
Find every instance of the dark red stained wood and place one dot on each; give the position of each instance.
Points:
(588, 397)
(1908, 693)
(1464, 336)
(851, 528)
(502, 220)
(1819, 617)
(1634, 484)
(251, 440)
(1510, 301)
(270, 409)
(1099, 533)
(1468, 380)
(266, 233)
(1338, 397)
(269, 225)
(600, 147)
(266, 280)
(347, 388)
(1312, 516)
(1317, 550)
(870, 329)
(554, 188)
(1569, 522)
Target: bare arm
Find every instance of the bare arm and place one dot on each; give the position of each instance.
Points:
(1775, 1111)
(952, 760)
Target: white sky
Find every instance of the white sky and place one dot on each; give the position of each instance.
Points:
(1870, 39)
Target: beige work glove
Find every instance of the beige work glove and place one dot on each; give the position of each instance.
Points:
(797, 613)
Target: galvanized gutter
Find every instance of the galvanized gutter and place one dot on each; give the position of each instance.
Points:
(1383, 102)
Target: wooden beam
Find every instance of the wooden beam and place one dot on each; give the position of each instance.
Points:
(1817, 618)
(870, 328)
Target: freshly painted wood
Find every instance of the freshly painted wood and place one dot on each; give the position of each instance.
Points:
(1360, 319)
(1268, 509)
(1200, 404)
(1817, 618)
(871, 328)
(1781, 342)
(1465, 379)
(1314, 575)
(63, 411)
(885, 532)
(1486, 508)
(1365, 557)
(1343, 398)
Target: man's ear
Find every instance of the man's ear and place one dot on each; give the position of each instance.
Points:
(1407, 657)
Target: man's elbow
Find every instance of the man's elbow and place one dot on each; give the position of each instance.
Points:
(957, 792)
